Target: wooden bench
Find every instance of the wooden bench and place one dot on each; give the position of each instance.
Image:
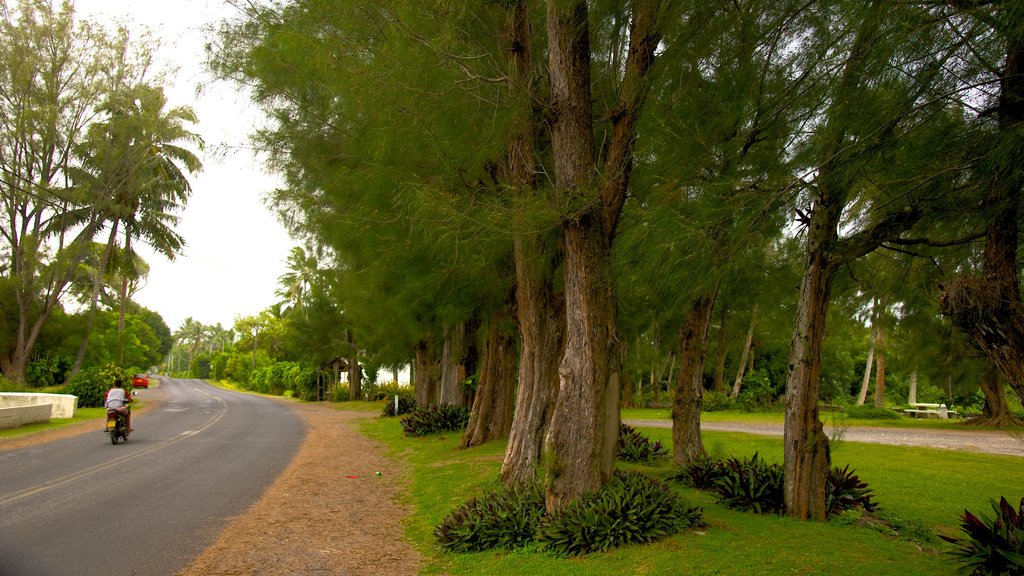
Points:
(926, 410)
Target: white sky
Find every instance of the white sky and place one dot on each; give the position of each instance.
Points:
(235, 248)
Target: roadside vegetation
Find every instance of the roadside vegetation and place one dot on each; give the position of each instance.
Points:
(921, 494)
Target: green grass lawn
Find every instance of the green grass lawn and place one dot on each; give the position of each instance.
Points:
(81, 415)
(923, 491)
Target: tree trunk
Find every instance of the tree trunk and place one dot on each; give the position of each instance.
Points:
(453, 365)
(720, 363)
(738, 382)
(989, 309)
(880, 367)
(355, 371)
(583, 437)
(997, 410)
(539, 314)
(90, 317)
(686, 441)
(426, 370)
(628, 394)
(807, 458)
(491, 417)
(863, 395)
(541, 322)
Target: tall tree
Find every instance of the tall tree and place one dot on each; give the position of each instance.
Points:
(582, 439)
(135, 163)
(51, 80)
(881, 101)
(988, 306)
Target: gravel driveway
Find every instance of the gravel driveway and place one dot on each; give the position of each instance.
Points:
(992, 442)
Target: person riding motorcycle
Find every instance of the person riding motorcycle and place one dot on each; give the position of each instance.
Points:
(117, 399)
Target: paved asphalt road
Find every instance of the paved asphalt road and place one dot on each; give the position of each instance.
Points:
(81, 506)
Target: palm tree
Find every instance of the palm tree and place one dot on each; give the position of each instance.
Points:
(135, 164)
(303, 272)
(190, 336)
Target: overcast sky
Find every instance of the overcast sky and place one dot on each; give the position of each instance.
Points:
(236, 249)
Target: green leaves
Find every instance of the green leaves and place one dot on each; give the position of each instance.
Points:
(424, 420)
(993, 546)
(632, 509)
(635, 447)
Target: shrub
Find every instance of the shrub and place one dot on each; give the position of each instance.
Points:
(505, 518)
(424, 420)
(635, 447)
(845, 491)
(48, 370)
(701, 473)
(716, 402)
(993, 546)
(406, 403)
(91, 384)
(871, 413)
(757, 392)
(751, 485)
(631, 509)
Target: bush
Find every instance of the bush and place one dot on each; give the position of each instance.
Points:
(48, 370)
(993, 546)
(91, 384)
(424, 420)
(845, 491)
(632, 509)
(716, 402)
(750, 485)
(754, 485)
(701, 473)
(505, 518)
(635, 447)
(757, 392)
(406, 403)
(871, 413)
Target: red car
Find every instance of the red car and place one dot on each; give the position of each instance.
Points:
(140, 381)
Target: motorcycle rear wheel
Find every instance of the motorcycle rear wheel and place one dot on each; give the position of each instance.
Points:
(113, 436)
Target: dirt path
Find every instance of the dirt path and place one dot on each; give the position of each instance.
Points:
(328, 512)
(988, 441)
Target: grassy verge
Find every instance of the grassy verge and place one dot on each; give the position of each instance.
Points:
(922, 491)
(81, 415)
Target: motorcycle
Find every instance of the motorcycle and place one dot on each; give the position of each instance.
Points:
(117, 425)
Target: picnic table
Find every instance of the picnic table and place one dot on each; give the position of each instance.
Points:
(927, 410)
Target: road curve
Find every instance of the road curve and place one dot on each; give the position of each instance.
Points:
(989, 441)
(81, 506)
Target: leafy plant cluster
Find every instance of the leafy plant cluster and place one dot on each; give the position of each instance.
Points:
(435, 418)
(993, 546)
(871, 413)
(503, 518)
(91, 384)
(406, 403)
(280, 376)
(635, 447)
(48, 369)
(631, 509)
(715, 401)
(754, 485)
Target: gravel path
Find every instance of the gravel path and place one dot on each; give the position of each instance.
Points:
(990, 441)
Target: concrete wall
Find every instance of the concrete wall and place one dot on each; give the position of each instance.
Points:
(63, 405)
(21, 415)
